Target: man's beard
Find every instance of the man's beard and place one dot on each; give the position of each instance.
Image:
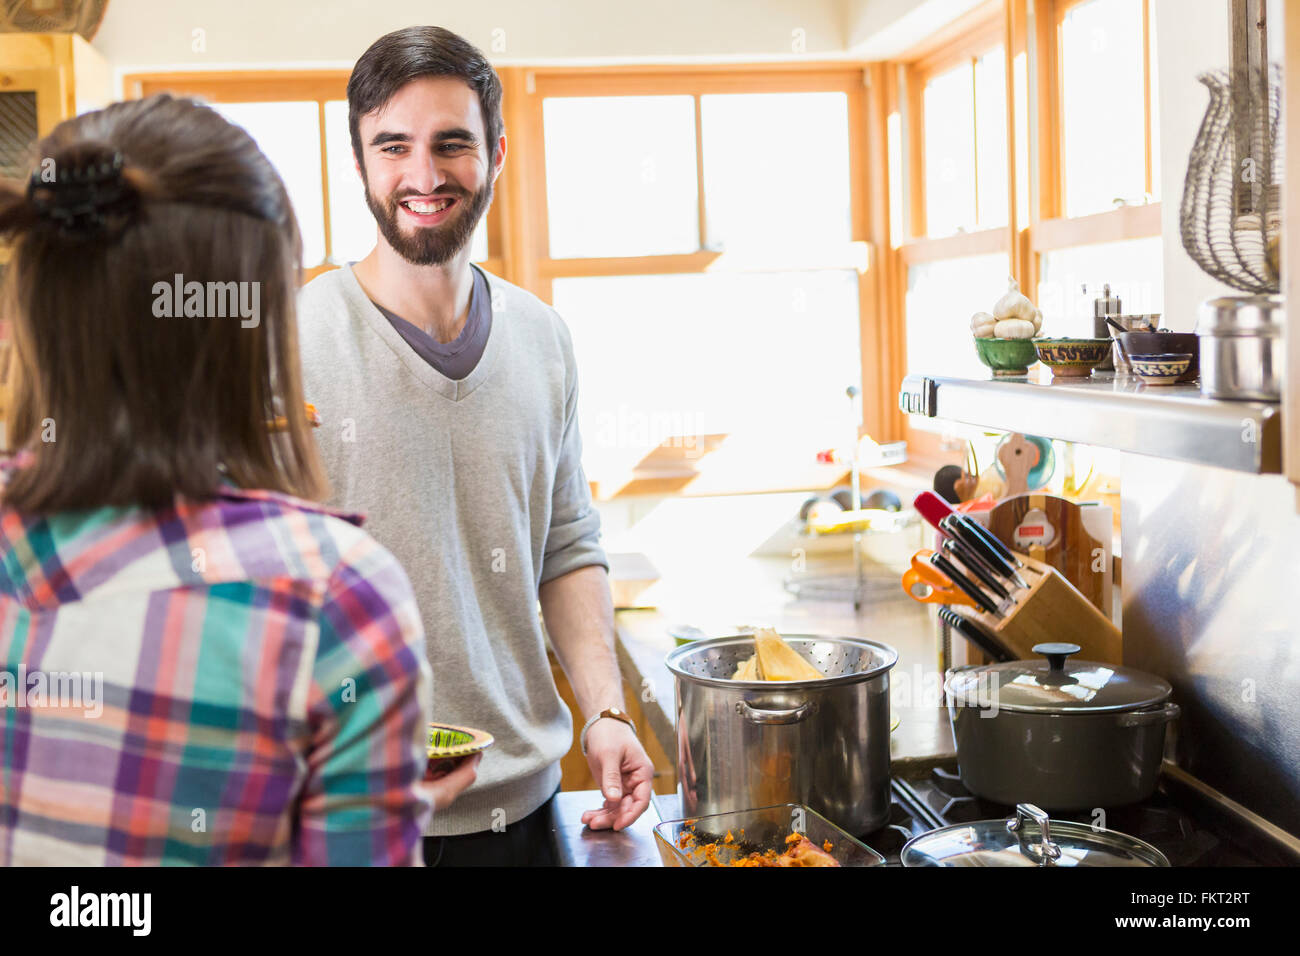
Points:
(431, 245)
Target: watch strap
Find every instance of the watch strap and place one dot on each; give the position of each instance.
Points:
(612, 712)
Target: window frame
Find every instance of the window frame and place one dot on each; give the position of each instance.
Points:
(518, 230)
(1034, 28)
(533, 260)
(517, 220)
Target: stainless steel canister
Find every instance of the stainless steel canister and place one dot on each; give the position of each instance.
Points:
(821, 743)
(1242, 347)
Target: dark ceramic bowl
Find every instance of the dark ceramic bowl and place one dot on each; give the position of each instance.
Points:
(1140, 344)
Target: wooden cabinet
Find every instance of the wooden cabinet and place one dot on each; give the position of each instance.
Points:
(45, 78)
(64, 73)
(1291, 250)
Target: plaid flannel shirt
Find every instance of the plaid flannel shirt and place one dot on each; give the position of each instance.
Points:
(241, 680)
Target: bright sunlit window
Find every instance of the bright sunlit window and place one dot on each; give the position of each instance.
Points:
(1072, 278)
(280, 130)
(776, 170)
(761, 357)
(950, 152)
(620, 175)
(965, 116)
(941, 297)
(1102, 117)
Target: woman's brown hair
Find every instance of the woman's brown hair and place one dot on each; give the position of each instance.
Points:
(119, 396)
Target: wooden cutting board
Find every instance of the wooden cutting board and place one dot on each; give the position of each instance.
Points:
(1051, 530)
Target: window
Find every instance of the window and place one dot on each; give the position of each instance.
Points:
(1098, 220)
(958, 259)
(703, 260)
(1072, 277)
(941, 297)
(620, 176)
(701, 231)
(965, 146)
(1103, 122)
(280, 130)
(1057, 187)
(776, 170)
(949, 152)
(763, 358)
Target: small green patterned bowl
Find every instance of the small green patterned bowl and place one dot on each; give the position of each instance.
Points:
(1072, 358)
(449, 745)
(1006, 356)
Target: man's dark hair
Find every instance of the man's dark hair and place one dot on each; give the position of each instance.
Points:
(405, 55)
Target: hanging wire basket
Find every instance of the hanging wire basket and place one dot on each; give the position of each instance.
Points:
(1230, 218)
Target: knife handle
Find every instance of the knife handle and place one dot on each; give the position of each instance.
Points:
(964, 584)
(973, 563)
(990, 539)
(953, 527)
(973, 633)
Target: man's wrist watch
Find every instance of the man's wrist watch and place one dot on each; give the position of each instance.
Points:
(613, 712)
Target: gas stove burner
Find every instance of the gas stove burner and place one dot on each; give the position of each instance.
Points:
(1174, 826)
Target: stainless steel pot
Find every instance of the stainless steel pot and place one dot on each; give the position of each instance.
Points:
(1066, 736)
(1029, 838)
(821, 743)
(1242, 348)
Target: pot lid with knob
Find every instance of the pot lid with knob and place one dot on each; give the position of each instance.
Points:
(1057, 685)
(1028, 838)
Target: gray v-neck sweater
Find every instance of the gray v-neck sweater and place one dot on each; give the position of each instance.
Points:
(477, 487)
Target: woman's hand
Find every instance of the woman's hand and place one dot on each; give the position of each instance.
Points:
(445, 789)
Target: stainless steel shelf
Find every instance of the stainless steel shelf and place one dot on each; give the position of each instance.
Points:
(1174, 422)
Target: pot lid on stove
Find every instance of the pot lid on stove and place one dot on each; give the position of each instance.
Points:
(1056, 685)
(1028, 839)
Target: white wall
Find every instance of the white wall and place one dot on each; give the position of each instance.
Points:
(156, 34)
(880, 29)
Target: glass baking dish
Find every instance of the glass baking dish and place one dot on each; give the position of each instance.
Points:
(758, 831)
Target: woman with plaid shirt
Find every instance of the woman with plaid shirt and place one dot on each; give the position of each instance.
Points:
(198, 664)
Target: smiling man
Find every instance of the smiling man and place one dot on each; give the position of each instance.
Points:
(449, 406)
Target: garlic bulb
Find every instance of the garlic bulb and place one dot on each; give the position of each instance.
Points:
(1014, 329)
(1037, 320)
(981, 323)
(1013, 305)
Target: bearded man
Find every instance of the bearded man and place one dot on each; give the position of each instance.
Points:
(448, 399)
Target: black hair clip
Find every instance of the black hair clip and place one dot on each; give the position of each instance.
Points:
(82, 196)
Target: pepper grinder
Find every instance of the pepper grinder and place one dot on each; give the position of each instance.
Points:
(1103, 306)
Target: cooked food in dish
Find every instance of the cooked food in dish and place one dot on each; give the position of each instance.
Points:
(774, 659)
(799, 851)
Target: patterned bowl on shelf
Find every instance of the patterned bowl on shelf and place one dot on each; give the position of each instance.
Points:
(1007, 356)
(1072, 358)
(1160, 369)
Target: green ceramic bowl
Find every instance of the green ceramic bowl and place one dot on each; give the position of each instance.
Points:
(1072, 358)
(1007, 356)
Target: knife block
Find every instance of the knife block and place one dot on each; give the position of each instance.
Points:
(1051, 609)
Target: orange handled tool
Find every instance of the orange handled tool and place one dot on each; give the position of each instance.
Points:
(937, 587)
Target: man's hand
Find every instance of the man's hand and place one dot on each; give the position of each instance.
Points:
(445, 789)
(624, 772)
